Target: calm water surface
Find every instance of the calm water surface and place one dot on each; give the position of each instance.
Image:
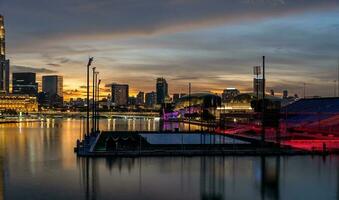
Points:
(37, 162)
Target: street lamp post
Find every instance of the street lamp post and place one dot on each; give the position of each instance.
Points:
(98, 99)
(93, 99)
(90, 60)
(189, 107)
(263, 101)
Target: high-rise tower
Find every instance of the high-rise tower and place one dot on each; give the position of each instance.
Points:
(162, 90)
(52, 86)
(2, 39)
(120, 94)
(4, 64)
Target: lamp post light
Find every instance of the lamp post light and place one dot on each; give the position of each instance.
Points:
(98, 94)
(93, 98)
(263, 134)
(90, 60)
(95, 101)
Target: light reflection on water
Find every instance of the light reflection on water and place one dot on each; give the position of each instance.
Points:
(37, 162)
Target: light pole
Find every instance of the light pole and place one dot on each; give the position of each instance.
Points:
(98, 100)
(335, 88)
(93, 99)
(263, 102)
(90, 60)
(338, 80)
(189, 107)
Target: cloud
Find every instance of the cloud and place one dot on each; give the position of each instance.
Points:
(16, 68)
(110, 18)
(53, 64)
(211, 43)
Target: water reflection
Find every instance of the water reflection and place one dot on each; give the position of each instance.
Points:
(2, 169)
(131, 124)
(270, 168)
(218, 177)
(37, 162)
(88, 177)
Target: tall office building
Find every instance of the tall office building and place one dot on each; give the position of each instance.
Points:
(162, 90)
(24, 83)
(151, 99)
(257, 86)
(2, 39)
(140, 98)
(52, 86)
(120, 94)
(4, 63)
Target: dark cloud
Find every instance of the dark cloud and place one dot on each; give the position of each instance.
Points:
(40, 19)
(16, 68)
(137, 41)
(53, 64)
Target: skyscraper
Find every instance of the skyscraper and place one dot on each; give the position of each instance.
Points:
(2, 39)
(53, 86)
(24, 83)
(162, 90)
(257, 86)
(120, 94)
(4, 64)
(151, 99)
(140, 98)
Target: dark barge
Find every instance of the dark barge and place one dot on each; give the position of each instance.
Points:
(148, 143)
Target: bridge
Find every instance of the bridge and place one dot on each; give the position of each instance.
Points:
(102, 114)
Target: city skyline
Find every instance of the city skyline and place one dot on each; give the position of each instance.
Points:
(213, 48)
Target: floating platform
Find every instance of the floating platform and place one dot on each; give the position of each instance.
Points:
(145, 143)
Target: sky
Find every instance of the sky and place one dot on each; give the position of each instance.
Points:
(213, 44)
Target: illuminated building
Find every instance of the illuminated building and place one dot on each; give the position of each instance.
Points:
(24, 83)
(4, 64)
(197, 105)
(119, 94)
(243, 103)
(229, 94)
(240, 103)
(4, 76)
(162, 90)
(18, 103)
(2, 39)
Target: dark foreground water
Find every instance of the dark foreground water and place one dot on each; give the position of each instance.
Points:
(37, 162)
